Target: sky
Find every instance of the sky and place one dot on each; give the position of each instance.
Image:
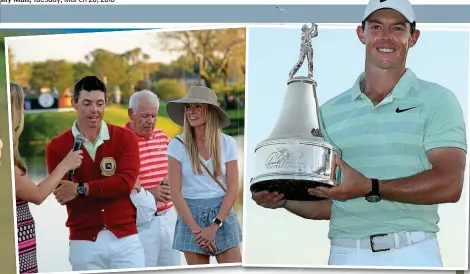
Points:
(282, 238)
(79, 45)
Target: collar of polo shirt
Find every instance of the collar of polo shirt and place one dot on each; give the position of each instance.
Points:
(102, 135)
(401, 89)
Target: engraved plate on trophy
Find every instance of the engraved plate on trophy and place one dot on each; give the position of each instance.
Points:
(296, 156)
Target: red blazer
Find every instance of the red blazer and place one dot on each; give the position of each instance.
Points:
(108, 204)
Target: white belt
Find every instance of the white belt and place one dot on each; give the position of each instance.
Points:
(384, 242)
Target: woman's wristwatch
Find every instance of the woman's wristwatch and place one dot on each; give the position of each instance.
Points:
(217, 222)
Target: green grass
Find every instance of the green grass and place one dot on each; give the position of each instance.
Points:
(236, 113)
(42, 127)
(57, 122)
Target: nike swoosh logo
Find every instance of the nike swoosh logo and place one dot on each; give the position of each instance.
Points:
(381, 1)
(398, 110)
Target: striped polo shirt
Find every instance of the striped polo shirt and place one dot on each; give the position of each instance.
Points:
(153, 162)
(390, 141)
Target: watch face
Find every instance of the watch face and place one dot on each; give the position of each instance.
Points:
(373, 198)
(217, 222)
(81, 190)
(46, 100)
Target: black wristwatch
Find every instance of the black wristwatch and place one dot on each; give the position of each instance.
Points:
(81, 189)
(217, 222)
(374, 195)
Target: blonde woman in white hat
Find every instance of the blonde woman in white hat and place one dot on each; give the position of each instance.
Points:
(203, 178)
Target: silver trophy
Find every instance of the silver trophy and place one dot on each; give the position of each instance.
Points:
(296, 156)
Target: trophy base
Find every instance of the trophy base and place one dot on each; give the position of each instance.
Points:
(293, 189)
(292, 166)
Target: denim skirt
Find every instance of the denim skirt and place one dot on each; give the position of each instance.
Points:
(203, 211)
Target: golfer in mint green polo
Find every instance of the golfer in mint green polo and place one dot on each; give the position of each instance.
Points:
(403, 149)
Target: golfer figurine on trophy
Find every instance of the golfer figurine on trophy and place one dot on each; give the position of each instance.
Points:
(296, 156)
(306, 50)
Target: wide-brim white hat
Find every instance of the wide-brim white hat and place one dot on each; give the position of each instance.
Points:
(196, 95)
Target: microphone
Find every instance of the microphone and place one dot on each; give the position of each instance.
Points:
(79, 140)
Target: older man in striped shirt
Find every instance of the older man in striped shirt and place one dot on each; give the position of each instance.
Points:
(157, 234)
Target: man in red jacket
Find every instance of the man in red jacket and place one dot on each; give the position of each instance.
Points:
(101, 216)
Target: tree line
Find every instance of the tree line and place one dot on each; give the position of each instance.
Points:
(216, 56)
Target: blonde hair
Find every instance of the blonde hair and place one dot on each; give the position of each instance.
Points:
(17, 122)
(212, 142)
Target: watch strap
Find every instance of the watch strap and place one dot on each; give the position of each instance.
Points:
(217, 221)
(375, 187)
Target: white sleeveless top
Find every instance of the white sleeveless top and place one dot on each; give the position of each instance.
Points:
(196, 186)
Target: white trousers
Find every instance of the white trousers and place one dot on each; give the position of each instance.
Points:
(425, 253)
(157, 240)
(107, 252)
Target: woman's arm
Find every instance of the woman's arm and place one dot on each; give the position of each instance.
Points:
(232, 190)
(232, 177)
(27, 190)
(175, 181)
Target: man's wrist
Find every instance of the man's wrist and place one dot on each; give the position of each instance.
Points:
(374, 195)
(81, 190)
(368, 188)
(284, 204)
(87, 187)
